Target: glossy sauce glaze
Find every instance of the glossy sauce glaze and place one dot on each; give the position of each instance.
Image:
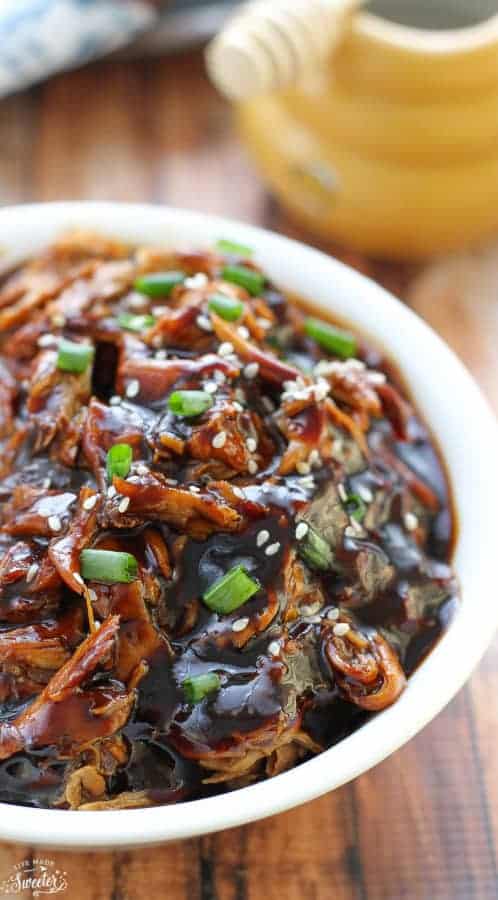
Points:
(309, 469)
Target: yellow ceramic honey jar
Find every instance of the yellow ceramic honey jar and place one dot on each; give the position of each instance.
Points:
(381, 134)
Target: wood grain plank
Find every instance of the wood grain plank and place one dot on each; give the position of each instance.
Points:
(18, 120)
(309, 852)
(198, 161)
(91, 140)
(422, 832)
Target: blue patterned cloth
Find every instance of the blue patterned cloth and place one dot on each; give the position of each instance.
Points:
(41, 37)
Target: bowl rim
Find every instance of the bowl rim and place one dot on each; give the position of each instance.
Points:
(379, 315)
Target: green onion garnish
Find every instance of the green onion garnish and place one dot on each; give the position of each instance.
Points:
(108, 566)
(233, 248)
(315, 551)
(334, 340)
(231, 591)
(189, 403)
(136, 323)
(247, 278)
(74, 357)
(228, 308)
(355, 507)
(159, 284)
(199, 686)
(118, 462)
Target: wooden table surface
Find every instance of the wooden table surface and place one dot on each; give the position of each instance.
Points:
(423, 824)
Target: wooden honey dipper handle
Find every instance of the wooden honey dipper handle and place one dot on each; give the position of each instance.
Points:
(271, 44)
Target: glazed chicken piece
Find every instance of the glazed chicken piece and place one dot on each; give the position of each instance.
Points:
(88, 713)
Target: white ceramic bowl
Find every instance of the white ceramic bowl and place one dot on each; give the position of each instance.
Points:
(467, 434)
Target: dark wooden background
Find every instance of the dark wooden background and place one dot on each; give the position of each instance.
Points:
(424, 824)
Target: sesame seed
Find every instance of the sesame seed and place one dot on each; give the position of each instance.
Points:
(263, 323)
(172, 481)
(333, 614)
(32, 571)
(355, 525)
(303, 468)
(159, 311)
(133, 388)
(219, 440)
(124, 504)
(274, 648)
(307, 610)
(161, 354)
(142, 470)
(340, 629)
(365, 493)
(314, 619)
(315, 458)
(350, 531)
(111, 492)
(58, 320)
(92, 595)
(204, 323)
(77, 577)
(46, 340)
(199, 280)
(136, 301)
(194, 489)
(237, 406)
(376, 378)
(251, 370)
(321, 390)
(272, 549)
(251, 444)
(301, 531)
(90, 502)
(243, 332)
(411, 522)
(240, 624)
(252, 467)
(341, 490)
(262, 537)
(54, 523)
(115, 400)
(238, 492)
(210, 387)
(97, 624)
(225, 349)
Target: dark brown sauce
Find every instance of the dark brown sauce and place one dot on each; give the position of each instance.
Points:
(169, 742)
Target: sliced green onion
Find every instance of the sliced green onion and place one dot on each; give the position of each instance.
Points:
(228, 308)
(199, 686)
(355, 507)
(315, 551)
(108, 566)
(136, 323)
(233, 248)
(189, 403)
(231, 591)
(247, 278)
(159, 284)
(119, 459)
(334, 340)
(74, 357)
